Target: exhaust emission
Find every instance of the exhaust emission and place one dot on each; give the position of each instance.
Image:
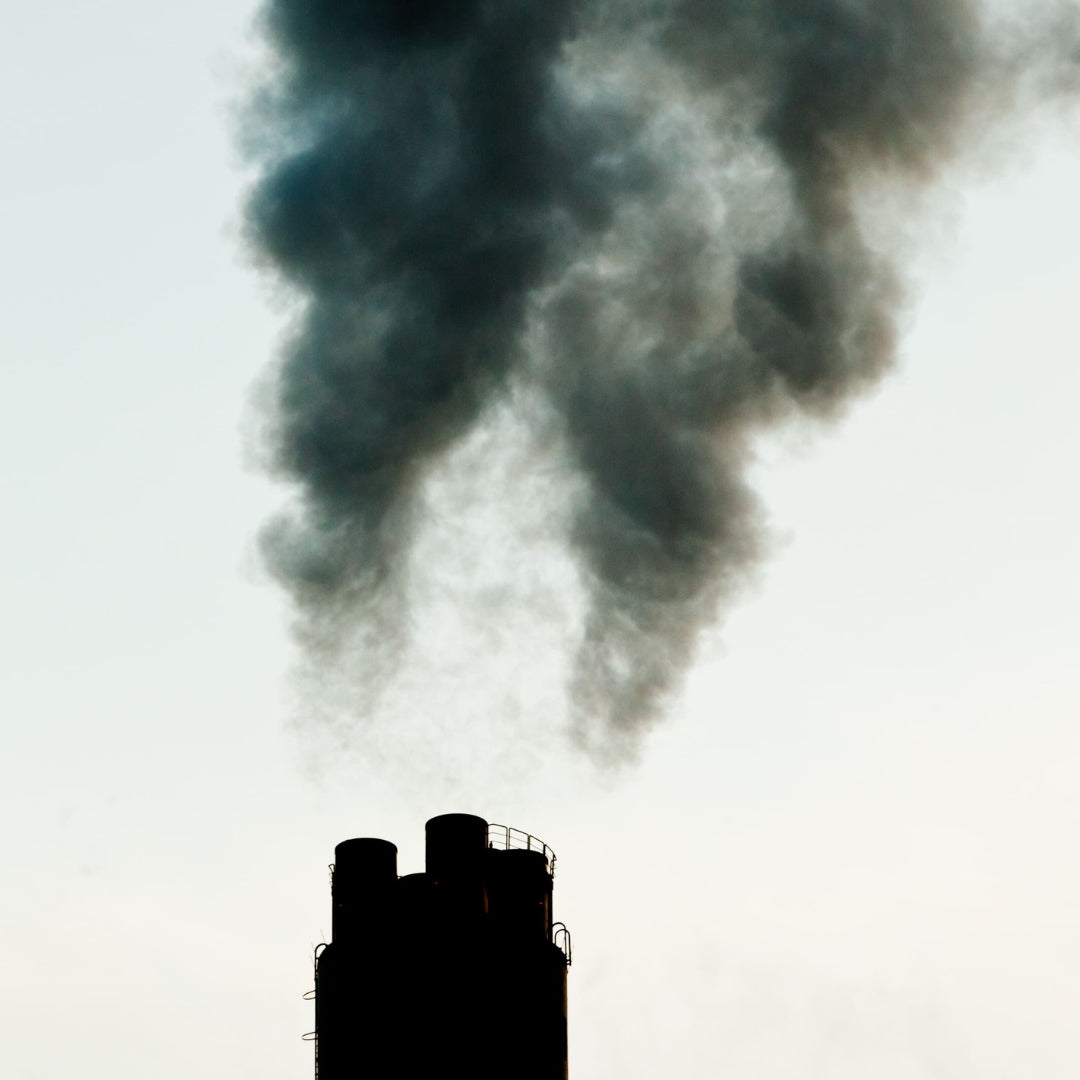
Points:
(648, 215)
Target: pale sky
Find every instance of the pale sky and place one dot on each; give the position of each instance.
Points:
(850, 851)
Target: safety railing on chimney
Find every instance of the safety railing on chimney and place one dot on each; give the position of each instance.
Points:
(313, 995)
(560, 938)
(510, 839)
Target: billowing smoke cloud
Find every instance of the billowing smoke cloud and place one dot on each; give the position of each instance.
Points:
(649, 209)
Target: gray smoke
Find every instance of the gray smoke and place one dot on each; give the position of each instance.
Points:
(649, 209)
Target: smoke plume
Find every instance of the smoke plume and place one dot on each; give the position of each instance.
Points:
(647, 210)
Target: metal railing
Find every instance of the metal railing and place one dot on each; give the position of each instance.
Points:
(511, 839)
(313, 995)
(560, 938)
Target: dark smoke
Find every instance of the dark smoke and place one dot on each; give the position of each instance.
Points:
(649, 209)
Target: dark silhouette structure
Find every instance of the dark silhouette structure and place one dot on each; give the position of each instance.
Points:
(456, 971)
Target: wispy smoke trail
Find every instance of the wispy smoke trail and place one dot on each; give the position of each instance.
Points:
(647, 208)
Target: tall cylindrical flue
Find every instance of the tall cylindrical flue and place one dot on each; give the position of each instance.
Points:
(455, 851)
(451, 970)
(365, 877)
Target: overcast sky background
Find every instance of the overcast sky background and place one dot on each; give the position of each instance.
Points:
(851, 850)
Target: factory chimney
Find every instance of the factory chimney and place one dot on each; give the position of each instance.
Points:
(458, 970)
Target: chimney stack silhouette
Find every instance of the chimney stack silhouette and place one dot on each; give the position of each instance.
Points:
(459, 969)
